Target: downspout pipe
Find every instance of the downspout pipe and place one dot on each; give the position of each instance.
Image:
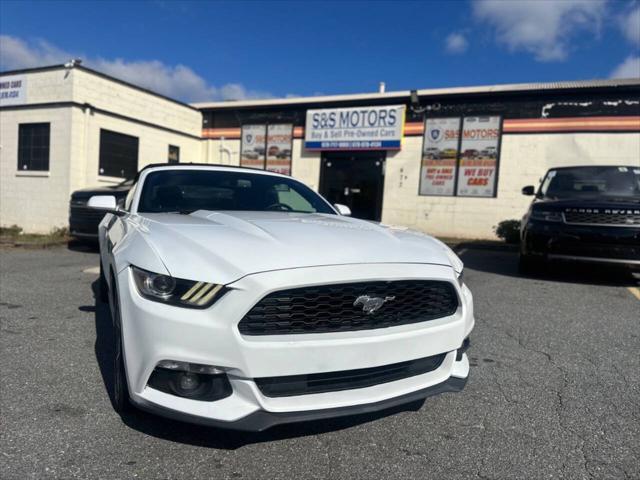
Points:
(226, 150)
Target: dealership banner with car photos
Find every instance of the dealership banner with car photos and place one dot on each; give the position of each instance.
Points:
(279, 139)
(253, 146)
(478, 166)
(439, 156)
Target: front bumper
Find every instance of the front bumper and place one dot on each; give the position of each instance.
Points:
(262, 420)
(618, 246)
(153, 332)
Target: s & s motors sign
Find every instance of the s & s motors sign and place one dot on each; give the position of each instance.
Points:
(355, 128)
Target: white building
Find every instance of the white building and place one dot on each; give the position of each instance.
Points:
(451, 163)
(62, 129)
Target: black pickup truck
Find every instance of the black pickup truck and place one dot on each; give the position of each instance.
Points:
(585, 214)
(83, 221)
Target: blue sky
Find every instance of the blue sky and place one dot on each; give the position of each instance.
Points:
(198, 51)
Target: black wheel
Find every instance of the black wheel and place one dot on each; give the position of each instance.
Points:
(121, 402)
(103, 289)
(528, 265)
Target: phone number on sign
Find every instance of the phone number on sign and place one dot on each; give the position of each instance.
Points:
(351, 144)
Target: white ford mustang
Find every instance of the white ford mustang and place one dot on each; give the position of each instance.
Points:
(242, 299)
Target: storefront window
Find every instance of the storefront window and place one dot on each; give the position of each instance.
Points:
(174, 154)
(478, 165)
(440, 156)
(279, 139)
(267, 147)
(460, 156)
(33, 146)
(118, 154)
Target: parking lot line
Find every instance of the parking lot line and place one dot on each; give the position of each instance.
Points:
(635, 291)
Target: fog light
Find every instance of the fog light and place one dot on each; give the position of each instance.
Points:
(190, 380)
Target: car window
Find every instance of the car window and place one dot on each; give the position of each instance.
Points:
(592, 181)
(292, 198)
(179, 190)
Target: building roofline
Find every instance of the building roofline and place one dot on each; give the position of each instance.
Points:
(427, 92)
(402, 94)
(99, 74)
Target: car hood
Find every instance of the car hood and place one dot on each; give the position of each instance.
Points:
(222, 247)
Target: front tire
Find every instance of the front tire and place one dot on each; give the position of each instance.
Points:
(528, 265)
(121, 401)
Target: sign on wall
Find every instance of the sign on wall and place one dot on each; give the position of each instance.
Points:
(279, 138)
(13, 90)
(478, 156)
(253, 146)
(439, 156)
(355, 128)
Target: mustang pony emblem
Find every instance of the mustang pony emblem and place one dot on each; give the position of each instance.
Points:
(371, 304)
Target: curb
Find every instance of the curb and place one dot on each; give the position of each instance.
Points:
(33, 245)
(479, 245)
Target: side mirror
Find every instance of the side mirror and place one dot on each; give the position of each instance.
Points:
(343, 210)
(529, 190)
(108, 203)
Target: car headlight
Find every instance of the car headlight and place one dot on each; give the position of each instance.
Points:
(176, 291)
(546, 215)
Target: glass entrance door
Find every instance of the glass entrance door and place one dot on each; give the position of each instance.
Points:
(354, 179)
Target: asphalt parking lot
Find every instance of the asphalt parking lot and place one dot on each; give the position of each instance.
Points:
(554, 390)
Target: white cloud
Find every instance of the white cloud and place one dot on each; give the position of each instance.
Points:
(177, 81)
(456, 43)
(630, 68)
(542, 28)
(630, 25)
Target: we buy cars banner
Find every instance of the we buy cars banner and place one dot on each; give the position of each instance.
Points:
(279, 138)
(439, 156)
(478, 156)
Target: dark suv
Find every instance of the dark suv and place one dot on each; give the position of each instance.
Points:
(586, 214)
(83, 221)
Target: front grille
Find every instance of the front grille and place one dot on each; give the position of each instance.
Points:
(85, 214)
(597, 250)
(346, 379)
(601, 218)
(330, 308)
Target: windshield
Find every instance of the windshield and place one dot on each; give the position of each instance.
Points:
(186, 191)
(592, 181)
